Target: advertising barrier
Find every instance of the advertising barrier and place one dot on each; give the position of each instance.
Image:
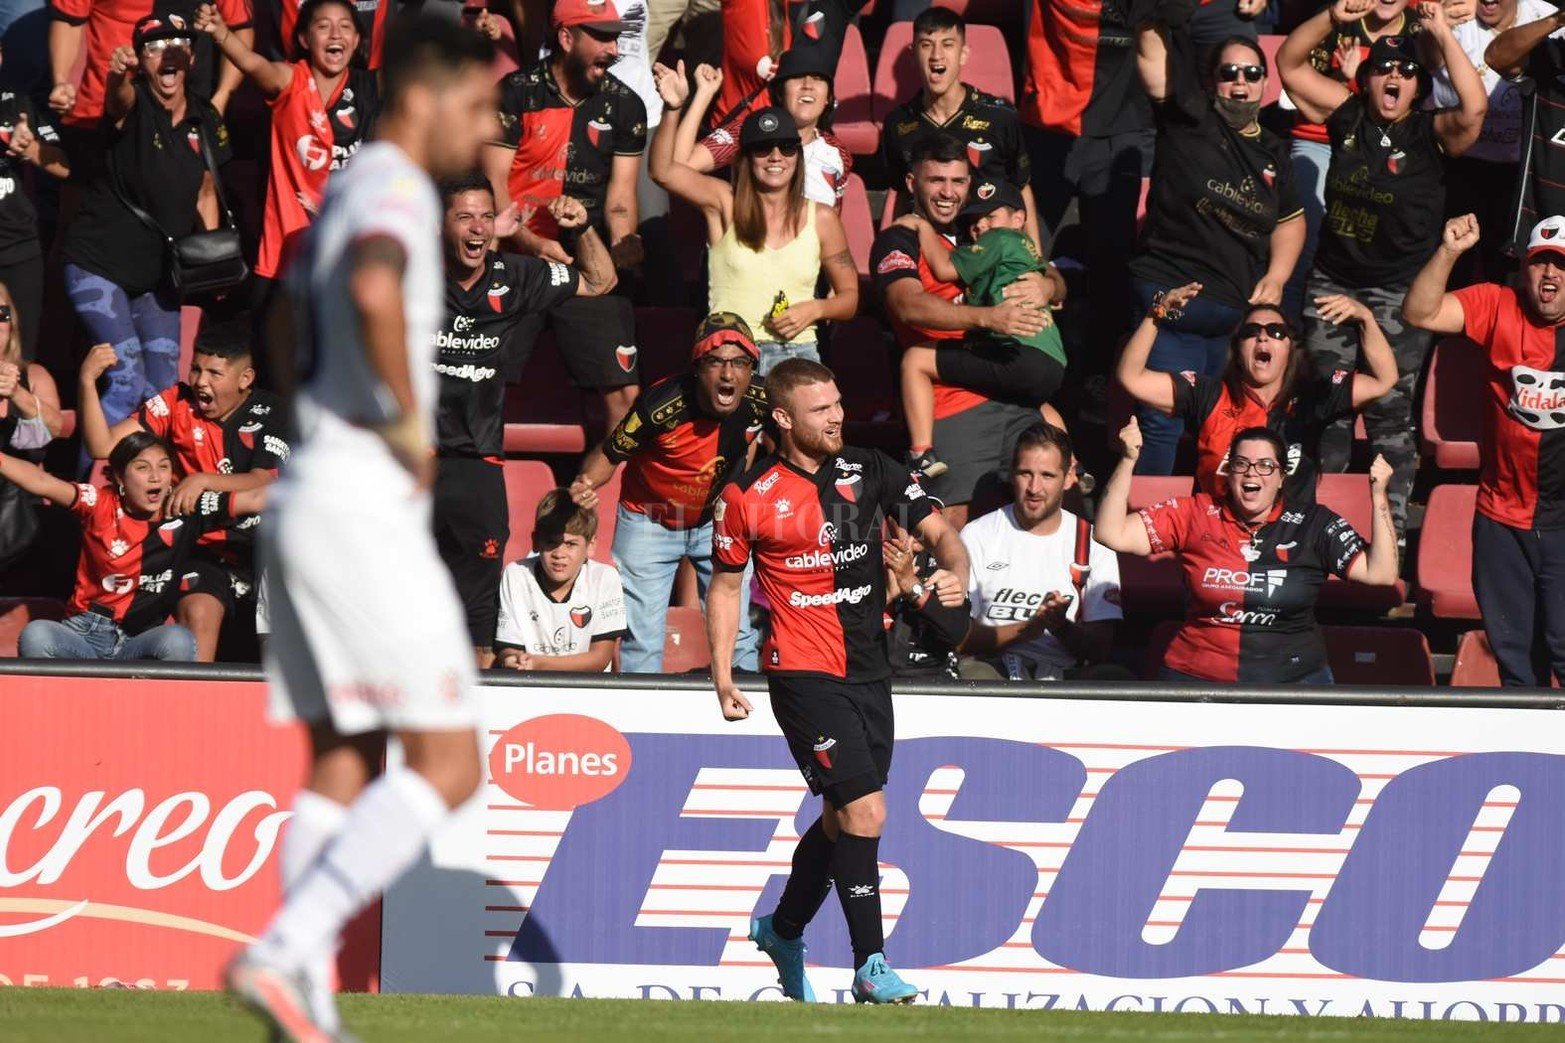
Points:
(139, 822)
(1040, 853)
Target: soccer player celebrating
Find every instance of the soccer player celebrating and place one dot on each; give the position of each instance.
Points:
(488, 295)
(367, 632)
(811, 516)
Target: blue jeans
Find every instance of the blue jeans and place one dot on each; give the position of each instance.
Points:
(91, 636)
(1197, 341)
(648, 556)
(144, 331)
(773, 352)
(1310, 161)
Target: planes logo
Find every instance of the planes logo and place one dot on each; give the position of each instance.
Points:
(581, 615)
(560, 762)
(496, 297)
(847, 487)
(626, 355)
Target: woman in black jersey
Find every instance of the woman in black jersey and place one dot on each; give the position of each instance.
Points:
(133, 556)
(1385, 204)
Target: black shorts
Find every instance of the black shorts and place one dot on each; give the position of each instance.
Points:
(596, 338)
(472, 525)
(839, 732)
(205, 574)
(1005, 372)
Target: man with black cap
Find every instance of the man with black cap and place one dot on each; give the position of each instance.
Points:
(1519, 530)
(803, 86)
(987, 126)
(1024, 369)
(682, 440)
(568, 126)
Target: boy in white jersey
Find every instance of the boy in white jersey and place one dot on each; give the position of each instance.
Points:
(367, 636)
(560, 610)
(1037, 613)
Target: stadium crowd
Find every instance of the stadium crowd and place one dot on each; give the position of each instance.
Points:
(1239, 280)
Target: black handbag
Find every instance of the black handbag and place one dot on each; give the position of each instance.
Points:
(18, 521)
(202, 262)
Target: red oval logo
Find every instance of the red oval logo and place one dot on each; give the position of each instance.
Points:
(560, 762)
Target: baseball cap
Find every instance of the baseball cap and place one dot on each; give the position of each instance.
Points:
(1548, 236)
(720, 328)
(768, 126)
(989, 196)
(160, 27)
(600, 15)
(805, 60)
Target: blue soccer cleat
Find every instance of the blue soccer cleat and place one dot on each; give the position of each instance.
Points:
(875, 982)
(788, 955)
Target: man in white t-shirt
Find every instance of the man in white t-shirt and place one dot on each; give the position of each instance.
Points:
(560, 610)
(1036, 612)
(367, 635)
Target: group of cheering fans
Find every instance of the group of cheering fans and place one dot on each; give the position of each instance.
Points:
(1276, 286)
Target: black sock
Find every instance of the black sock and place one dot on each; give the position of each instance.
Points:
(856, 869)
(808, 884)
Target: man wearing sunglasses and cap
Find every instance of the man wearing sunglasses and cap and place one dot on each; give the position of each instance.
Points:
(1519, 528)
(569, 126)
(682, 440)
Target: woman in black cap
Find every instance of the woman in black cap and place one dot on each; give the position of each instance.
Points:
(769, 243)
(802, 85)
(1385, 205)
(1222, 210)
(153, 183)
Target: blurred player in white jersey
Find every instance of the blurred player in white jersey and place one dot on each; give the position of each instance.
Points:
(367, 635)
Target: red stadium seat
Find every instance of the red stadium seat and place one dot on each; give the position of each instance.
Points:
(1475, 666)
(859, 223)
(1379, 656)
(1153, 584)
(1445, 553)
(1348, 495)
(663, 339)
(16, 613)
(684, 642)
(1269, 46)
(888, 209)
(526, 481)
(896, 74)
(543, 413)
(853, 122)
(866, 373)
(1452, 421)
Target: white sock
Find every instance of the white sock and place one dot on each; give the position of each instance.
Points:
(384, 833)
(316, 821)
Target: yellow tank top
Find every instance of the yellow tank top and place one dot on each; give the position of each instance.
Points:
(746, 281)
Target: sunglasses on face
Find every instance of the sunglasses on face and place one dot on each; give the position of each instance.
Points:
(1230, 73)
(1264, 468)
(787, 148)
(1408, 69)
(1274, 330)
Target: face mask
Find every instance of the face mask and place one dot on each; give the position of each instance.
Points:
(1237, 114)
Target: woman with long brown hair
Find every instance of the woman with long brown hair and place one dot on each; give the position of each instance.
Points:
(29, 420)
(768, 243)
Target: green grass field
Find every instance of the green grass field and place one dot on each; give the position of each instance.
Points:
(75, 1016)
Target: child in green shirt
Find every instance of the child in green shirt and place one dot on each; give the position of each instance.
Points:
(1023, 370)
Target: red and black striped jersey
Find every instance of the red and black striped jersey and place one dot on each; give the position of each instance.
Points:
(816, 540)
(1250, 591)
(1521, 480)
(677, 456)
(131, 568)
(1081, 68)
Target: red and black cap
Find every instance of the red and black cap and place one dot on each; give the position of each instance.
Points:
(723, 328)
(161, 27)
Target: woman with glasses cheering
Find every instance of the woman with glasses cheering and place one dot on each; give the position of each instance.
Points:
(1385, 204)
(769, 243)
(1222, 210)
(1269, 381)
(1252, 562)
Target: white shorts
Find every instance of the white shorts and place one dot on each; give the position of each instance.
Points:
(366, 630)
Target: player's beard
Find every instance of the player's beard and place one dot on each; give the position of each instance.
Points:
(818, 444)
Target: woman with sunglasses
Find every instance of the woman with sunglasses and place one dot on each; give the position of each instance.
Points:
(769, 244)
(1252, 561)
(115, 260)
(1222, 210)
(1268, 382)
(1385, 206)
